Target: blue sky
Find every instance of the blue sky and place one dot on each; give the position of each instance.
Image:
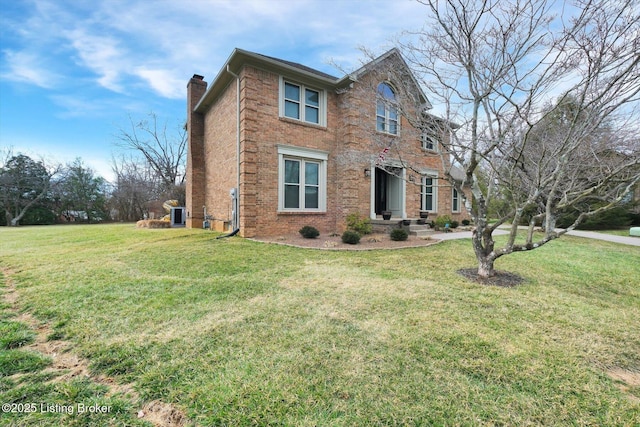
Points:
(72, 72)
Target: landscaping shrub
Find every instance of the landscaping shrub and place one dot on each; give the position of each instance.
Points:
(399, 234)
(465, 222)
(442, 220)
(358, 223)
(309, 232)
(618, 217)
(454, 224)
(351, 237)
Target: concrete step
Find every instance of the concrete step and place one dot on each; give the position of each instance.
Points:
(419, 230)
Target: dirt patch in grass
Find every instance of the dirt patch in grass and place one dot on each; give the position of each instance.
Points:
(160, 414)
(153, 223)
(625, 381)
(67, 365)
(503, 279)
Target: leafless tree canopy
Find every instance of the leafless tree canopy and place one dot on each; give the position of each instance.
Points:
(165, 153)
(135, 186)
(540, 106)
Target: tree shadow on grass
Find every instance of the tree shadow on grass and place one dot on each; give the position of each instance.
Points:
(503, 279)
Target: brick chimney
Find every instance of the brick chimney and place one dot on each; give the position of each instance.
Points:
(195, 178)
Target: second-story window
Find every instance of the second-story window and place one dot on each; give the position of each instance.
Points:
(429, 137)
(386, 110)
(302, 103)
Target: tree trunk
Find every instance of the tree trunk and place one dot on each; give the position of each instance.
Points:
(483, 245)
(8, 217)
(485, 267)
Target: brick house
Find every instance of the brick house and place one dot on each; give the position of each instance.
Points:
(306, 148)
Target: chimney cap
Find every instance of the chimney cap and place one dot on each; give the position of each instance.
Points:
(198, 77)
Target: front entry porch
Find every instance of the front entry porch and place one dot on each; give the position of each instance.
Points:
(388, 189)
(415, 226)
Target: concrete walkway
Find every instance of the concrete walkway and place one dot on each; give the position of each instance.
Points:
(461, 235)
(625, 240)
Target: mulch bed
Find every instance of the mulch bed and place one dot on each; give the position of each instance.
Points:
(334, 242)
(503, 279)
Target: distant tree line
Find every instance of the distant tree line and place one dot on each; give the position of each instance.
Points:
(32, 192)
(150, 172)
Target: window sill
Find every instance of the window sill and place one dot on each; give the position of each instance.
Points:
(393, 135)
(301, 212)
(301, 123)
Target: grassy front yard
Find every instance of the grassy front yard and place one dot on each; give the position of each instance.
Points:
(234, 332)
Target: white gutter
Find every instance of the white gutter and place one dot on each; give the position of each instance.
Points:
(236, 218)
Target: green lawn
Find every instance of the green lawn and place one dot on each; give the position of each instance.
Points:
(235, 332)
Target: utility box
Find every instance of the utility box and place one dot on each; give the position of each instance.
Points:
(178, 216)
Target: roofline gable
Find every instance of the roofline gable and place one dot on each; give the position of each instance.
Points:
(240, 58)
(370, 66)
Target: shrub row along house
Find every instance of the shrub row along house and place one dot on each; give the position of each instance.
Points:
(275, 145)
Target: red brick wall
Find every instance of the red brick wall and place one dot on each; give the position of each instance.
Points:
(264, 130)
(220, 156)
(350, 139)
(196, 164)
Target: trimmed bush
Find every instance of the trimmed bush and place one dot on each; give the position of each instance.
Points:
(350, 237)
(358, 223)
(442, 220)
(399, 234)
(465, 222)
(454, 224)
(309, 232)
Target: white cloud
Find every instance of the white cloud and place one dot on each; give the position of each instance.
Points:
(26, 67)
(164, 41)
(73, 106)
(103, 55)
(163, 82)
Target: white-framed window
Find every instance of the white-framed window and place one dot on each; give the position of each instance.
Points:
(303, 103)
(302, 179)
(386, 110)
(429, 139)
(429, 194)
(455, 200)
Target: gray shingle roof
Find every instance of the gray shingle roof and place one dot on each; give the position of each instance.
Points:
(300, 66)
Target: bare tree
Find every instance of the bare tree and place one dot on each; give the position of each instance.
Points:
(165, 153)
(135, 186)
(503, 74)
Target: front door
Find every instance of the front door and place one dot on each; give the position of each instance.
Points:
(394, 196)
(388, 191)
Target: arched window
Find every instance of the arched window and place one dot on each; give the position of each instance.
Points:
(386, 110)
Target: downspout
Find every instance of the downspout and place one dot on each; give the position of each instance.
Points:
(236, 217)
